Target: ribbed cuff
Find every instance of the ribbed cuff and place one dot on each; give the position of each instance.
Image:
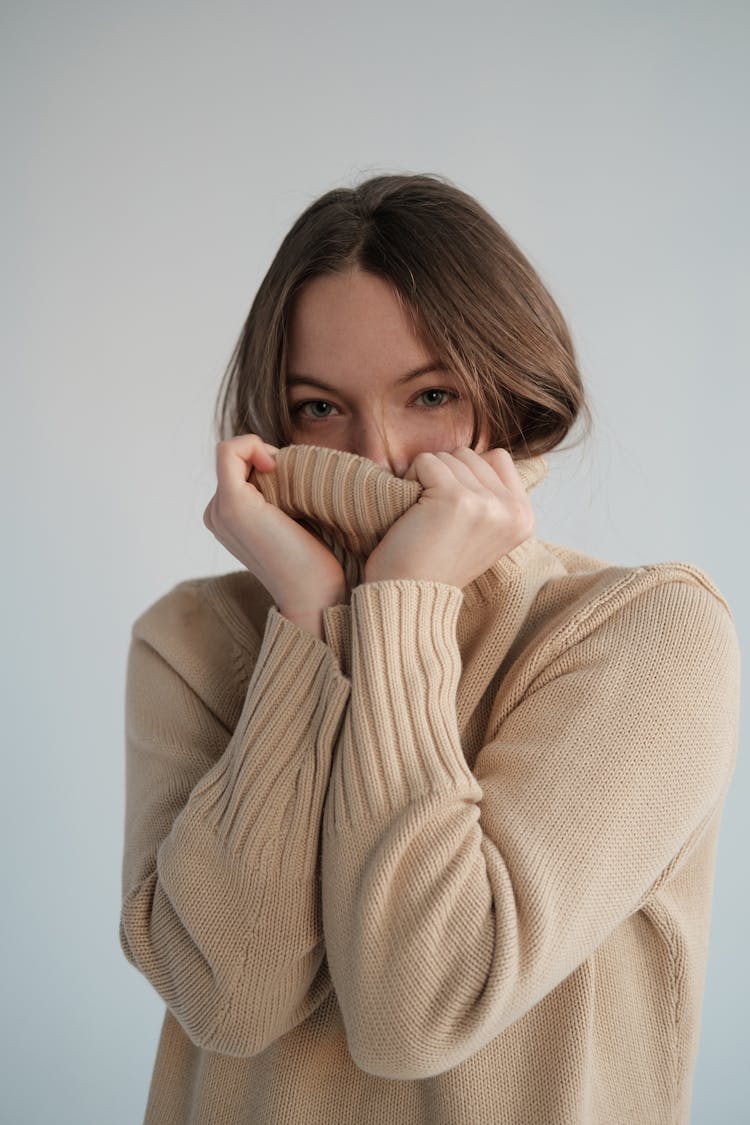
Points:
(337, 628)
(401, 740)
(261, 794)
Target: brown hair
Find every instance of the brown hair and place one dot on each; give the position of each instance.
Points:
(473, 298)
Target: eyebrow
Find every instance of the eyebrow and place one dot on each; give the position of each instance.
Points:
(434, 365)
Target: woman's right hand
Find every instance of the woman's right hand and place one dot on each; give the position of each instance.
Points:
(299, 571)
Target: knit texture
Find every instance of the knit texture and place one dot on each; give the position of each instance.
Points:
(349, 502)
(451, 865)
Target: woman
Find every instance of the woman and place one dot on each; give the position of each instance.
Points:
(421, 810)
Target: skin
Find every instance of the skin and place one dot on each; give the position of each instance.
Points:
(350, 331)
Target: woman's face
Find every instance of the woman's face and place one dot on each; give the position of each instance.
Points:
(351, 345)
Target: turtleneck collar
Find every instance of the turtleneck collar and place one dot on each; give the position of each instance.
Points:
(350, 502)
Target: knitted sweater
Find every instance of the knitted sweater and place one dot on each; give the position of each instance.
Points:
(452, 865)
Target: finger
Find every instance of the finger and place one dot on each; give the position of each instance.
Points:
(504, 466)
(482, 468)
(459, 468)
(430, 471)
(464, 470)
(246, 442)
(235, 460)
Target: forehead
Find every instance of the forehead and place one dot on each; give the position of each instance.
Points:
(333, 312)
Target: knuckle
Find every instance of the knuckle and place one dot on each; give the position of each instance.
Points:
(471, 505)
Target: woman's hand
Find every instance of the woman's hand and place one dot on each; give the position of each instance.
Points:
(299, 571)
(474, 509)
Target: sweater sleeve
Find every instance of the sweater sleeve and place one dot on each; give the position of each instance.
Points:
(454, 901)
(221, 889)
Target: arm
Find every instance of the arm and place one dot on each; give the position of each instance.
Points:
(454, 901)
(221, 896)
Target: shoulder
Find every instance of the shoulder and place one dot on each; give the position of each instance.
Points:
(666, 613)
(591, 609)
(202, 625)
(676, 595)
(587, 588)
(650, 648)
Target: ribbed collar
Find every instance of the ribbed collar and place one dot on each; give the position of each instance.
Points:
(350, 502)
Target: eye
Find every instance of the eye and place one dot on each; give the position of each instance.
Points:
(300, 410)
(452, 397)
(311, 402)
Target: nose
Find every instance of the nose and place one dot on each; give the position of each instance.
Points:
(382, 448)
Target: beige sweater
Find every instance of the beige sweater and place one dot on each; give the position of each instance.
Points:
(452, 865)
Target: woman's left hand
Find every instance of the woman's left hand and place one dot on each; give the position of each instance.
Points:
(473, 510)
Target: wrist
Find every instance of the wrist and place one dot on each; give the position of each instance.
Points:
(373, 576)
(310, 617)
(311, 622)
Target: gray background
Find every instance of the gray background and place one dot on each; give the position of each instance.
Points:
(155, 157)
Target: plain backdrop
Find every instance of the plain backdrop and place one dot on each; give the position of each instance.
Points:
(154, 157)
